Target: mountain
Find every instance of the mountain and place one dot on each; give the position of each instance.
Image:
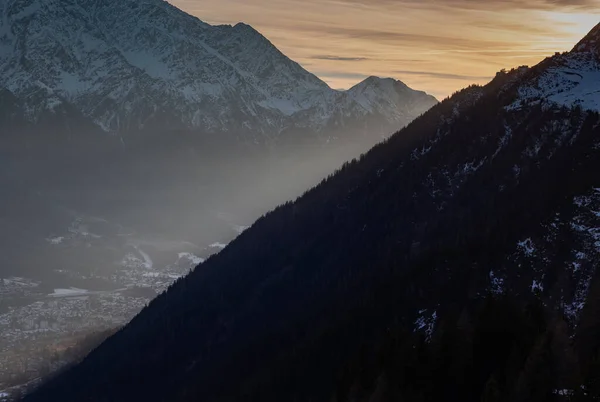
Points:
(136, 140)
(98, 96)
(144, 116)
(146, 66)
(455, 261)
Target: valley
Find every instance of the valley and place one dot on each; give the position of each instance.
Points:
(43, 318)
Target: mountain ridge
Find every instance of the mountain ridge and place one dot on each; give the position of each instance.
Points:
(590, 43)
(168, 70)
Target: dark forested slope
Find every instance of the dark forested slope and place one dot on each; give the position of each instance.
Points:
(455, 261)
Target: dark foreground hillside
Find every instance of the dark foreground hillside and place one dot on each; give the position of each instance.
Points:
(456, 261)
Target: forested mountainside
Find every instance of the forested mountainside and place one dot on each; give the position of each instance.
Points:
(456, 261)
(146, 67)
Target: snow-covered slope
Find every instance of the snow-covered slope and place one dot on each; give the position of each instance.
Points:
(568, 79)
(135, 65)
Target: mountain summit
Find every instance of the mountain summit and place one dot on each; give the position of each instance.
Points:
(568, 79)
(590, 43)
(385, 95)
(138, 66)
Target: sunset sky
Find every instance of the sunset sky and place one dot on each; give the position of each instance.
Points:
(435, 45)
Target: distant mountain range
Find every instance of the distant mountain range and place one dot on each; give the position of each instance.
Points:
(144, 66)
(458, 260)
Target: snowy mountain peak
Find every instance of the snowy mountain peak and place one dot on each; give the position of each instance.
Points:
(374, 93)
(134, 66)
(590, 43)
(379, 82)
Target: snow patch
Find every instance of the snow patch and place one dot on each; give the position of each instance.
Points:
(218, 245)
(240, 229)
(55, 240)
(504, 140)
(527, 247)
(194, 259)
(496, 284)
(470, 167)
(563, 392)
(537, 286)
(426, 323)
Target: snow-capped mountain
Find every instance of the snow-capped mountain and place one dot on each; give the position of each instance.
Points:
(145, 66)
(568, 79)
(377, 95)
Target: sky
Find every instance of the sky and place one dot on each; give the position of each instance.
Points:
(438, 46)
